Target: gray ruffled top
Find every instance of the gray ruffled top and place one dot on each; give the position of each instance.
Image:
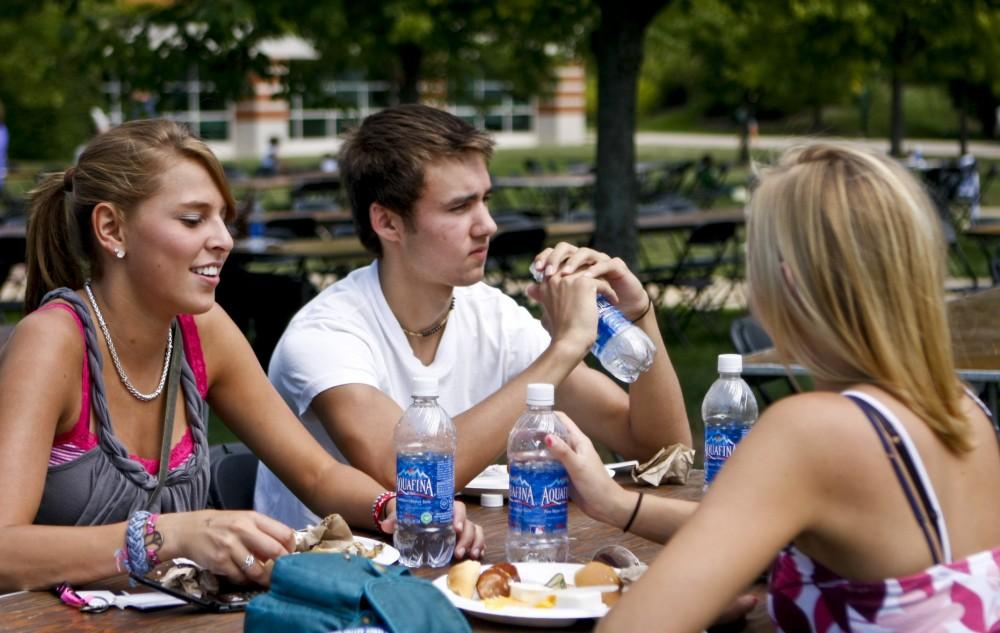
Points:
(105, 485)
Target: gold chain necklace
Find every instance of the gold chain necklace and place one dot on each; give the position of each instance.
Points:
(434, 329)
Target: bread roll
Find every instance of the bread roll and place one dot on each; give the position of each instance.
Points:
(462, 577)
(595, 573)
(493, 582)
(510, 569)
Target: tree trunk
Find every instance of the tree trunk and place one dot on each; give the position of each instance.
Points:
(411, 56)
(745, 141)
(618, 43)
(817, 118)
(896, 114)
(963, 122)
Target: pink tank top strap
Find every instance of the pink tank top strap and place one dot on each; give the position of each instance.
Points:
(80, 434)
(192, 349)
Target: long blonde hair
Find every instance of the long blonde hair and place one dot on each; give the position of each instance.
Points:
(122, 167)
(846, 266)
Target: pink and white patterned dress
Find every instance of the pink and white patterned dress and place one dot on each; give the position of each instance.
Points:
(954, 596)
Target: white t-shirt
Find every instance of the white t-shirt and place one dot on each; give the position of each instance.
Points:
(348, 335)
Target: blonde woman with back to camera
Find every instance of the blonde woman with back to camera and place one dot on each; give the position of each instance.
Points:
(125, 251)
(873, 498)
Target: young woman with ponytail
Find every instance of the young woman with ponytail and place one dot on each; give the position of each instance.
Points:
(125, 250)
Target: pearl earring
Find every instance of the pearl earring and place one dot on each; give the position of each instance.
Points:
(119, 253)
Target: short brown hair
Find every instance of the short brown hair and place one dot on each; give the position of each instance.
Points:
(384, 159)
(121, 166)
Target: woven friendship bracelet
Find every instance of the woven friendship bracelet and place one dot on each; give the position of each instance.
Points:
(378, 507)
(135, 560)
(142, 542)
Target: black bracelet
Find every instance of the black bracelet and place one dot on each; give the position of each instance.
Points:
(635, 512)
(646, 311)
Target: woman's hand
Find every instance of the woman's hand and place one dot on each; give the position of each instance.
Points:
(469, 539)
(225, 542)
(625, 289)
(590, 486)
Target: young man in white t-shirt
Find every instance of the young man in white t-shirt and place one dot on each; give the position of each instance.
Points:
(418, 184)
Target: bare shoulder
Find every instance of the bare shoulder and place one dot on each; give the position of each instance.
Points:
(218, 334)
(225, 348)
(213, 323)
(42, 357)
(46, 334)
(817, 424)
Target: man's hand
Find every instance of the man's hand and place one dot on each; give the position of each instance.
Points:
(469, 539)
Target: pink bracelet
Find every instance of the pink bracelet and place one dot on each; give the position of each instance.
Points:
(153, 540)
(378, 507)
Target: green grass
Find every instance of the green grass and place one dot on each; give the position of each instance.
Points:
(927, 113)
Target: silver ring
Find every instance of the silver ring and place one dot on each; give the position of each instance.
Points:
(248, 562)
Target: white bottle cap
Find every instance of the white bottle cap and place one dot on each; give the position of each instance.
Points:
(730, 363)
(425, 386)
(541, 394)
(491, 500)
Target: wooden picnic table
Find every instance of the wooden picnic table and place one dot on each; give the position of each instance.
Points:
(42, 611)
(349, 248)
(284, 180)
(569, 230)
(987, 235)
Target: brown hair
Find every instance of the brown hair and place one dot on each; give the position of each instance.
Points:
(383, 160)
(846, 265)
(120, 167)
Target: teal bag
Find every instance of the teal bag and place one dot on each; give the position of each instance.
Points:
(318, 593)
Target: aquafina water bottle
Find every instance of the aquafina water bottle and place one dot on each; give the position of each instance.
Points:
(623, 349)
(425, 480)
(539, 487)
(729, 410)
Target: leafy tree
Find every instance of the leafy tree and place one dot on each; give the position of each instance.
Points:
(964, 57)
(46, 84)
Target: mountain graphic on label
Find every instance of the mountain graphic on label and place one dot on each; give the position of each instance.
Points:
(414, 482)
(719, 446)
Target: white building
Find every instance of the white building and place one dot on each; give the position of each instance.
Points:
(243, 130)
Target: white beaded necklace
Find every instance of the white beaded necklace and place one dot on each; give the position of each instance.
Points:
(114, 354)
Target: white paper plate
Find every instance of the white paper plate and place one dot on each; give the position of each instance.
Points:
(537, 573)
(493, 479)
(387, 556)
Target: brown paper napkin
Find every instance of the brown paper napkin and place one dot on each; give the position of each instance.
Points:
(669, 466)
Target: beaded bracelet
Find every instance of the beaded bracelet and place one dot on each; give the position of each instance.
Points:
(378, 507)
